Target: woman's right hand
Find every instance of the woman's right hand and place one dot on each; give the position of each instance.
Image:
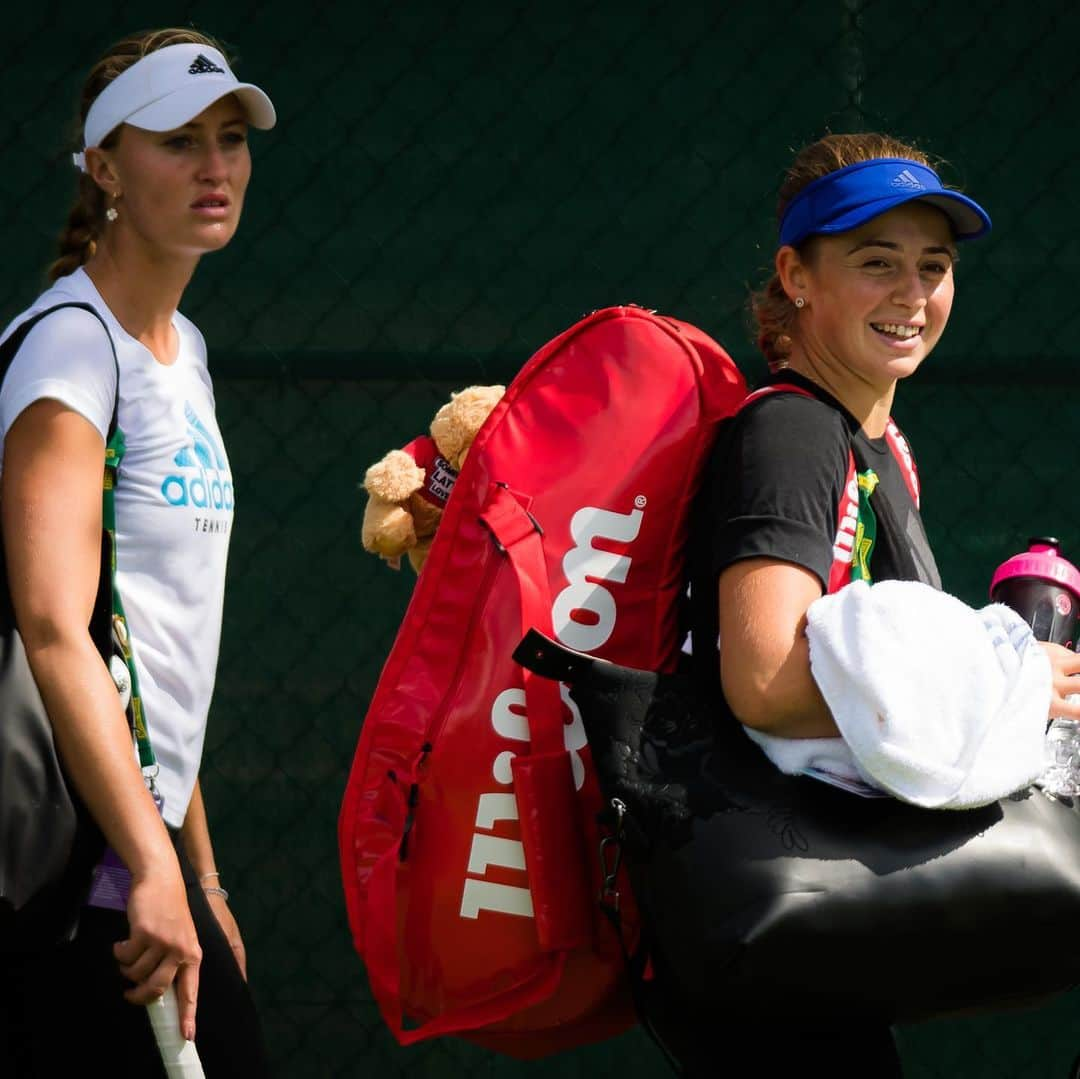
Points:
(1064, 668)
(162, 946)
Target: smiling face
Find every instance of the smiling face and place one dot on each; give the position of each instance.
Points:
(877, 298)
(181, 191)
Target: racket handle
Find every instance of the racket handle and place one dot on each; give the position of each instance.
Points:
(179, 1056)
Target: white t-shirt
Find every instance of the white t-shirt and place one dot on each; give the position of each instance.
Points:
(174, 504)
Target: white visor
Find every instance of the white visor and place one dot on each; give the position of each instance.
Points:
(166, 89)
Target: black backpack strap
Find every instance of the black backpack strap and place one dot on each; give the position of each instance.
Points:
(14, 342)
(101, 618)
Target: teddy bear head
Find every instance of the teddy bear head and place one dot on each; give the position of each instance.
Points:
(456, 424)
(408, 487)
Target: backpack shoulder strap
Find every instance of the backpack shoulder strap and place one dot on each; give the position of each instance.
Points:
(14, 342)
(904, 458)
(776, 387)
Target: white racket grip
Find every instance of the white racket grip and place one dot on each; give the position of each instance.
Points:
(179, 1055)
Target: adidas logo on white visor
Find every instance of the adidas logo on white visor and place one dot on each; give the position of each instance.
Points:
(202, 66)
(907, 180)
(153, 94)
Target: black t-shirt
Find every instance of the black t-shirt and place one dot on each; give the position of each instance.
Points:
(772, 489)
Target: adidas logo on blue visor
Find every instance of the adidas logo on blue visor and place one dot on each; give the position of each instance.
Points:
(907, 180)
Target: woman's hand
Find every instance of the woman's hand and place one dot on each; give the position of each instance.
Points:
(162, 945)
(220, 906)
(1064, 667)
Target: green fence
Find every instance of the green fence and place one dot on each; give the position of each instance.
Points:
(449, 185)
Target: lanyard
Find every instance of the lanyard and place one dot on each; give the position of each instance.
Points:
(114, 454)
(866, 527)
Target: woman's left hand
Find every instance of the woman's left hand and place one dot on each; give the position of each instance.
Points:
(1064, 668)
(220, 906)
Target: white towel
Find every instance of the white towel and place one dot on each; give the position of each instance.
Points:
(937, 704)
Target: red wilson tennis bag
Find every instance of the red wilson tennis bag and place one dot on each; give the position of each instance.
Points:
(468, 831)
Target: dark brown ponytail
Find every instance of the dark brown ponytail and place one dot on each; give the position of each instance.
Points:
(78, 241)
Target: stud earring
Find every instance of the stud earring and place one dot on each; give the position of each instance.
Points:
(111, 214)
(798, 301)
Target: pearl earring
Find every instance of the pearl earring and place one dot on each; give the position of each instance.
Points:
(111, 214)
(799, 302)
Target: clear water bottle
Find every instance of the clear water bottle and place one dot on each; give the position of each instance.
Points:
(1044, 589)
(1062, 773)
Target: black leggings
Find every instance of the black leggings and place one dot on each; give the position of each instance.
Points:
(64, 1011)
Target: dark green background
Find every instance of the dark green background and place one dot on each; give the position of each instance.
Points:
(449, 185)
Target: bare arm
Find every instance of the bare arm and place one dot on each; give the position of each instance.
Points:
(196, 836)
(50, 506)
(764, 653)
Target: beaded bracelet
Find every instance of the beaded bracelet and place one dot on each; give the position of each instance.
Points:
(217, 891)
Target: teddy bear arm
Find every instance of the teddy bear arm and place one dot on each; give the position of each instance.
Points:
(387, 529)
(394, 478)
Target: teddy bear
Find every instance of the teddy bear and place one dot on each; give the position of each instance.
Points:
(407, 490)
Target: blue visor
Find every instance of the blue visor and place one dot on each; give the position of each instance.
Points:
(851, 196)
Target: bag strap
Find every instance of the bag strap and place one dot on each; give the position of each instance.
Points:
(904, 458)
(114, 452)
(13, 342)
(518, 535)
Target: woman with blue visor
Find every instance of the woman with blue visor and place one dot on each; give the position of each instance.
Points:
(861, 294)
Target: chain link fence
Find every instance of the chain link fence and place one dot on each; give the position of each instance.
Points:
(448, 186)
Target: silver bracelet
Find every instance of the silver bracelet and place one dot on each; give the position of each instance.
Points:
(207, 876)
(217, 891)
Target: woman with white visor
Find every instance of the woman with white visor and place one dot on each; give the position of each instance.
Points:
(165, 166)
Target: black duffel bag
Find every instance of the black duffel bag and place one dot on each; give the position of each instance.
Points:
(760, 890)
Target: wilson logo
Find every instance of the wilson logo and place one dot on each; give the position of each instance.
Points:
(583, 615)
(509, 720)
(584, 612)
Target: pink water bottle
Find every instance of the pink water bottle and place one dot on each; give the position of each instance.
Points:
(1043, 588)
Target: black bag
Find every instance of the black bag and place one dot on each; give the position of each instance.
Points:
(49, 844)
(762, 891)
